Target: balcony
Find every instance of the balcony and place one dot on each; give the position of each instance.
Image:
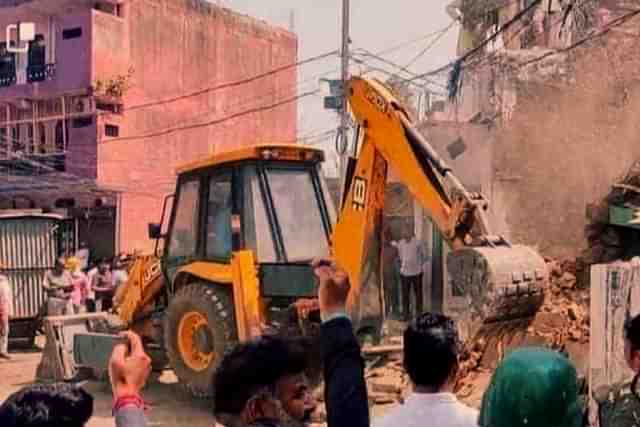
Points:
(40, 72)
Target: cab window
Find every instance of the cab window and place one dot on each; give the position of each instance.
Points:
(219, 241)
(297, 209)
(184, 236)
(257, 229)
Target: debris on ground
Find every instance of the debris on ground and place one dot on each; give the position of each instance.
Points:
(568, 302)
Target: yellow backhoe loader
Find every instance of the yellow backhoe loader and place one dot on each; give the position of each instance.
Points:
(245, 225)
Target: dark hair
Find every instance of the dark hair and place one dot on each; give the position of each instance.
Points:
(47, 405)
(431, 348)
(253, 365)
(632, 332)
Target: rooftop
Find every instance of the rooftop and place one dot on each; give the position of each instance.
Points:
(290, 152)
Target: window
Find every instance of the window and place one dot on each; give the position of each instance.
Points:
(298, 212)
(72, 33)
(106, 106)
(257, 230)
(109, 8)
(184, 235)
(82, 122)
(219, 207)
(111, 130)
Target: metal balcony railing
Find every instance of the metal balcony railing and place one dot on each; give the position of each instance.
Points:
(41, 72)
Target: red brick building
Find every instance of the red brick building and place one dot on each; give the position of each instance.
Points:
(117, 93)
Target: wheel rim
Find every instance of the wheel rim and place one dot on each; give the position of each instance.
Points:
(195, 341)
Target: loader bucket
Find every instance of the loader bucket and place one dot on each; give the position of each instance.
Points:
(502, 283)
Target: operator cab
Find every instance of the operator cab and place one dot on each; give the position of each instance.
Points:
(272, 200)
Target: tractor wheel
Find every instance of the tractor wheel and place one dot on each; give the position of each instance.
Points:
(200, 328)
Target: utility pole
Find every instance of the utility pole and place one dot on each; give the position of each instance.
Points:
(344, 112)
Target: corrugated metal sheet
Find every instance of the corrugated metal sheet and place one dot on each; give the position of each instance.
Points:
(28, 249)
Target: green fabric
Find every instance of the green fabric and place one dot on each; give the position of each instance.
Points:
(532, 387)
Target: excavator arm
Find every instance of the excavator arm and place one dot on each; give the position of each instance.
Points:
(501, 281)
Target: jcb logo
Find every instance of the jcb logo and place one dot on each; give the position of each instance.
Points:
(359, 194)
(151, 273)
(377, 100)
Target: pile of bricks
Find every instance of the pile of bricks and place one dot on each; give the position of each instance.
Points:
(565, 299)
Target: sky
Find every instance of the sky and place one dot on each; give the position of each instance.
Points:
(376, 26)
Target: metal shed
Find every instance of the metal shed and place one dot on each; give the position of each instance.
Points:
(29, 245)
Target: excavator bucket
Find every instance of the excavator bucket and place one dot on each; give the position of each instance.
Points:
(502, 283)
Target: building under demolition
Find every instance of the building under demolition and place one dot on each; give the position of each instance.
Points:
(543, 120)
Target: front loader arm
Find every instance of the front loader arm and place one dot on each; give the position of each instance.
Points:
(391, 141)
(385, 144)
(391, 134)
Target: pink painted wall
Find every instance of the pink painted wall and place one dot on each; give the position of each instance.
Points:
(174, 50)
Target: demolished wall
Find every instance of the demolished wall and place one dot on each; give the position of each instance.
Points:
(566, 142)
(561, 130)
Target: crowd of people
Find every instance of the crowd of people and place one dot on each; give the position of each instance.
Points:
(73, 286)
(261, 383)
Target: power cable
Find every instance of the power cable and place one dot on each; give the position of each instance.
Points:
(410, 42)
(213, 122)
(394, 75)
(482, 45)
(235, 83)
(393, 64)
(429, 46)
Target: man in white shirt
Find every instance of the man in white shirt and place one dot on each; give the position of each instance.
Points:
(412, 260)
(6, 311)
(431, 351)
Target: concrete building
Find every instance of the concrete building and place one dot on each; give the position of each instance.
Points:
(117, 93)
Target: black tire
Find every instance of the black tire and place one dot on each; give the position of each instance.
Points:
(215, 303)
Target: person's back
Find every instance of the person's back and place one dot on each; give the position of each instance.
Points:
(431, 348)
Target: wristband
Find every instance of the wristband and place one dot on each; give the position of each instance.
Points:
(126, 400)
